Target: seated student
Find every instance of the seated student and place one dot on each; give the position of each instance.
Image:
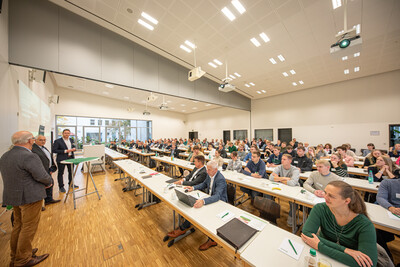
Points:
(388, 198)
(234, 163)
(217, 158)
(349, 152)
(113, 145)
(124, 143)
(306, 146)
(370, 147)
(338, 166)
(283, 147)
(231, 147)
(328, 148)
(276, 158)
(212, 150)
(370, 159)
(384, 168)
(346, 233)
(395, 151)
(303, 163)
(311, 154)
(286, 173)
(196, 152)
(174, 151)
(348, 160)
(255, 168)
(290, 151)
(279, 143)
(215, 186)
(197, 175)
(253, 148)
(318, 180)
(145, 148)
(222, 151)
(241, 153)
(320, 152)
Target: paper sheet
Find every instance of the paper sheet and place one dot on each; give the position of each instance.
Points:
(252, 221)
(392, 216)
(199, 194)
(226, 215)
(288, 250)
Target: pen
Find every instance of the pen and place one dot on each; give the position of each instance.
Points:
(290, 242)
(225, 215)
(396, 215)
(244, 218)
(198, 195)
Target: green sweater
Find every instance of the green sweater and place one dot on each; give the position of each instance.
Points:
(359, 234)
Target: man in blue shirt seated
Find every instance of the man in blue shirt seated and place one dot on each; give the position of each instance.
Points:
(389, 198)
(215, 186)
(253, 148)
(275, 158)
(255, 168)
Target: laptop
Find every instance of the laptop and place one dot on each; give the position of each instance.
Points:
(187, 199)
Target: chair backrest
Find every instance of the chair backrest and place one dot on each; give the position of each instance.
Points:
(269, 209)
(383, 258)
(230, 190)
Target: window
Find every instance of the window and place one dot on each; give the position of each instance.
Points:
(264, 134)
(239, 134)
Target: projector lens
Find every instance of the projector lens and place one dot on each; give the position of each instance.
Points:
(344, 43)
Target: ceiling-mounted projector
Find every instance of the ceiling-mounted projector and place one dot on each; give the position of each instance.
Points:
(348, 43)
(146, 112)
(226, 87)
(195, 74)
(152, 97)
(164, 106)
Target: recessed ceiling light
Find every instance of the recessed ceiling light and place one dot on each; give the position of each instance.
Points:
(233, 77)
(237, 74)
(239, 7)
(292, 72)
(183, 105)
(217, 61)
(272, 60)
(106, 93)
(149, 18)
(344, 58)
(252, 84)
(126, 97)
(301, 82)
(264, 37)
(212, 64)
(258, 92)
(346, 71)
(247, 85)
(336, 3)
(129, 10)
(145, 24)
(294, 84)
(263, 91)
(194, 108)
(228, 13)
(190, 44)
(356, 69)
(183, 110)
(255, 42)
(109, 85)
(357, 54)
(185, 48)
(285, 74)
(281, 58)
(207, 105)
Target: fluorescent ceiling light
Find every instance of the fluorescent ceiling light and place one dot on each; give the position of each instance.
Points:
(149, 18)
(252, 84)
(228, 13)
(344, 58)
(237, 74)
(185, 48)
(357, 54)
(263, 91)
(207, 105)
(255, 42)
(258, 92)
(292, 72)
(212, 64)
(272, 60)
(233, 77)
(285, 74)
(145, 24)
(336, 3)
(183, 110)
(294, 84)
(194, 108)
(182, 105)
(281, 58)
(301, 82)
(188, 43)
(356, 69)
(247, 85)
(239, 7)
(264, 37)
(346, 71)
(109, 85)
(218, 62)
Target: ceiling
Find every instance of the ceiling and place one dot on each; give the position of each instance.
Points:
(300, 30)
(132, 97)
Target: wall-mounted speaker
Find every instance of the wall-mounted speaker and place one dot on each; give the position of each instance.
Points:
(54, 99)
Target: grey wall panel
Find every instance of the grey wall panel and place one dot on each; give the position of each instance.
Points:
(117, 59)
(168, 76)
(206, 90)
(33, 28)
(145, 69)
(186, 87)
(80, 46)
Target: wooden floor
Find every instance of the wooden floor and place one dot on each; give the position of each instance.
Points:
(111, 232)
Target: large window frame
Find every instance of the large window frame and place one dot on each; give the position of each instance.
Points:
(262, 133)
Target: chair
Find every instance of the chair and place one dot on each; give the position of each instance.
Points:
(100, 163)
(269, 209)
(383, 258)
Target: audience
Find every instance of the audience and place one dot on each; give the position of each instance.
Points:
(370, 147)
(348, 160)
(318, 180)
(241, 153)
(338, 166)
(320, 152)
(275, 158)
(370, 159)
(255, 168)
(311, 154)
(222, 151)
(197, 175)
(234, 163)
(384, 168)
(328, 148)
(218, 159)
(395, 151)
(303, 163)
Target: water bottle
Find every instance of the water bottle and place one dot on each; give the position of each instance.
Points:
(311, 260)
(370, 177)
(172, 157)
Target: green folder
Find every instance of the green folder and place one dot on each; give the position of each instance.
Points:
(80, 160)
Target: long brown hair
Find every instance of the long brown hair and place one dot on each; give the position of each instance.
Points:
(341, 162)
(357, 204)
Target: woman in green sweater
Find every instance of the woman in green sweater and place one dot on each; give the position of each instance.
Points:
(347, 235)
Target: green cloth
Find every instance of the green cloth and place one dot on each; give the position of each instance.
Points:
(80, 160)
(231, 149)
(359, 234)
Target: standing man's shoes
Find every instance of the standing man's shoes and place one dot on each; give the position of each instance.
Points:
(62, 190)
(52, 201)
(35, 260)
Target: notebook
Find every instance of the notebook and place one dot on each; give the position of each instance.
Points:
(236, 233)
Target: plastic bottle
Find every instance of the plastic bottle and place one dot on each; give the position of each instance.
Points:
(172, 157)
(370, 177)
(311, 260)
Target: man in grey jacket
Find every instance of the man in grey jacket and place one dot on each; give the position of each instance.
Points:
(25, 181)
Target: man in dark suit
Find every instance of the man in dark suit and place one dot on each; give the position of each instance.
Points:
(24, 180)
(64, 148)
(215, 186)
(48, 163)
(198, 175)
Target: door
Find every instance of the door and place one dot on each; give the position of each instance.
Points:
(285, 135)
(91, 134)
(193, 135)
(227, 136)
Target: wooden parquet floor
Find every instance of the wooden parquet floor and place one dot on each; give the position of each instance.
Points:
(111, 232)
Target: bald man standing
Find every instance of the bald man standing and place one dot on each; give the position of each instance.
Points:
(24, 180)
(48, 163)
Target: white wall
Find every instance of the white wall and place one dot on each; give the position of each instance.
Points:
(211, 123)
(343, 112)
(75, 103)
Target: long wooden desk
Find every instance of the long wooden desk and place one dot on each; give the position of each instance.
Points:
(143, 157)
